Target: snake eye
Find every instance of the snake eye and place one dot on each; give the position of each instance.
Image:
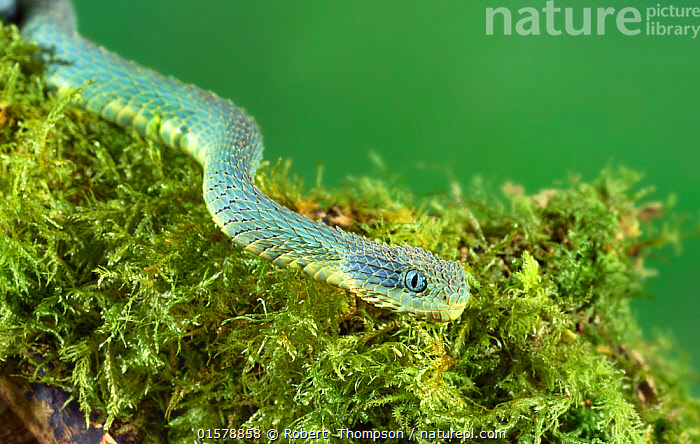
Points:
(415, 281)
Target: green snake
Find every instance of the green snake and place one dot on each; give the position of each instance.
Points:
(227, 143)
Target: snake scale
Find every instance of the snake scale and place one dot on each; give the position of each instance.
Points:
(227, 143)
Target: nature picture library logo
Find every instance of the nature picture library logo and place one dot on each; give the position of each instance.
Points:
(557, 18)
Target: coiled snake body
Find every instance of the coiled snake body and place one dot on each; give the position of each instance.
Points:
(227, 144)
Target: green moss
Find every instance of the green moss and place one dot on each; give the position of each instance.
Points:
(112, 271)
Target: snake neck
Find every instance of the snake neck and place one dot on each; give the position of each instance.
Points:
(270, 230)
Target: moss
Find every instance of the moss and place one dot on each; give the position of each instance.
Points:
(116, 286)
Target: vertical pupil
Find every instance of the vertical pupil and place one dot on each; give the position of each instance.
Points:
(414, 281)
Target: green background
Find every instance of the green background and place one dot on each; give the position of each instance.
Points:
(420, 83)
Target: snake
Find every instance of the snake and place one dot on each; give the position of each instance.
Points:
(227, 143)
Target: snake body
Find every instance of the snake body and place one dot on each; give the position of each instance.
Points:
(227, 143)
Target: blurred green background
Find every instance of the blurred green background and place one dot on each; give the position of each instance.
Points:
(421, 83)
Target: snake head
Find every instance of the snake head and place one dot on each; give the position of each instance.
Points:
(407, 280)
